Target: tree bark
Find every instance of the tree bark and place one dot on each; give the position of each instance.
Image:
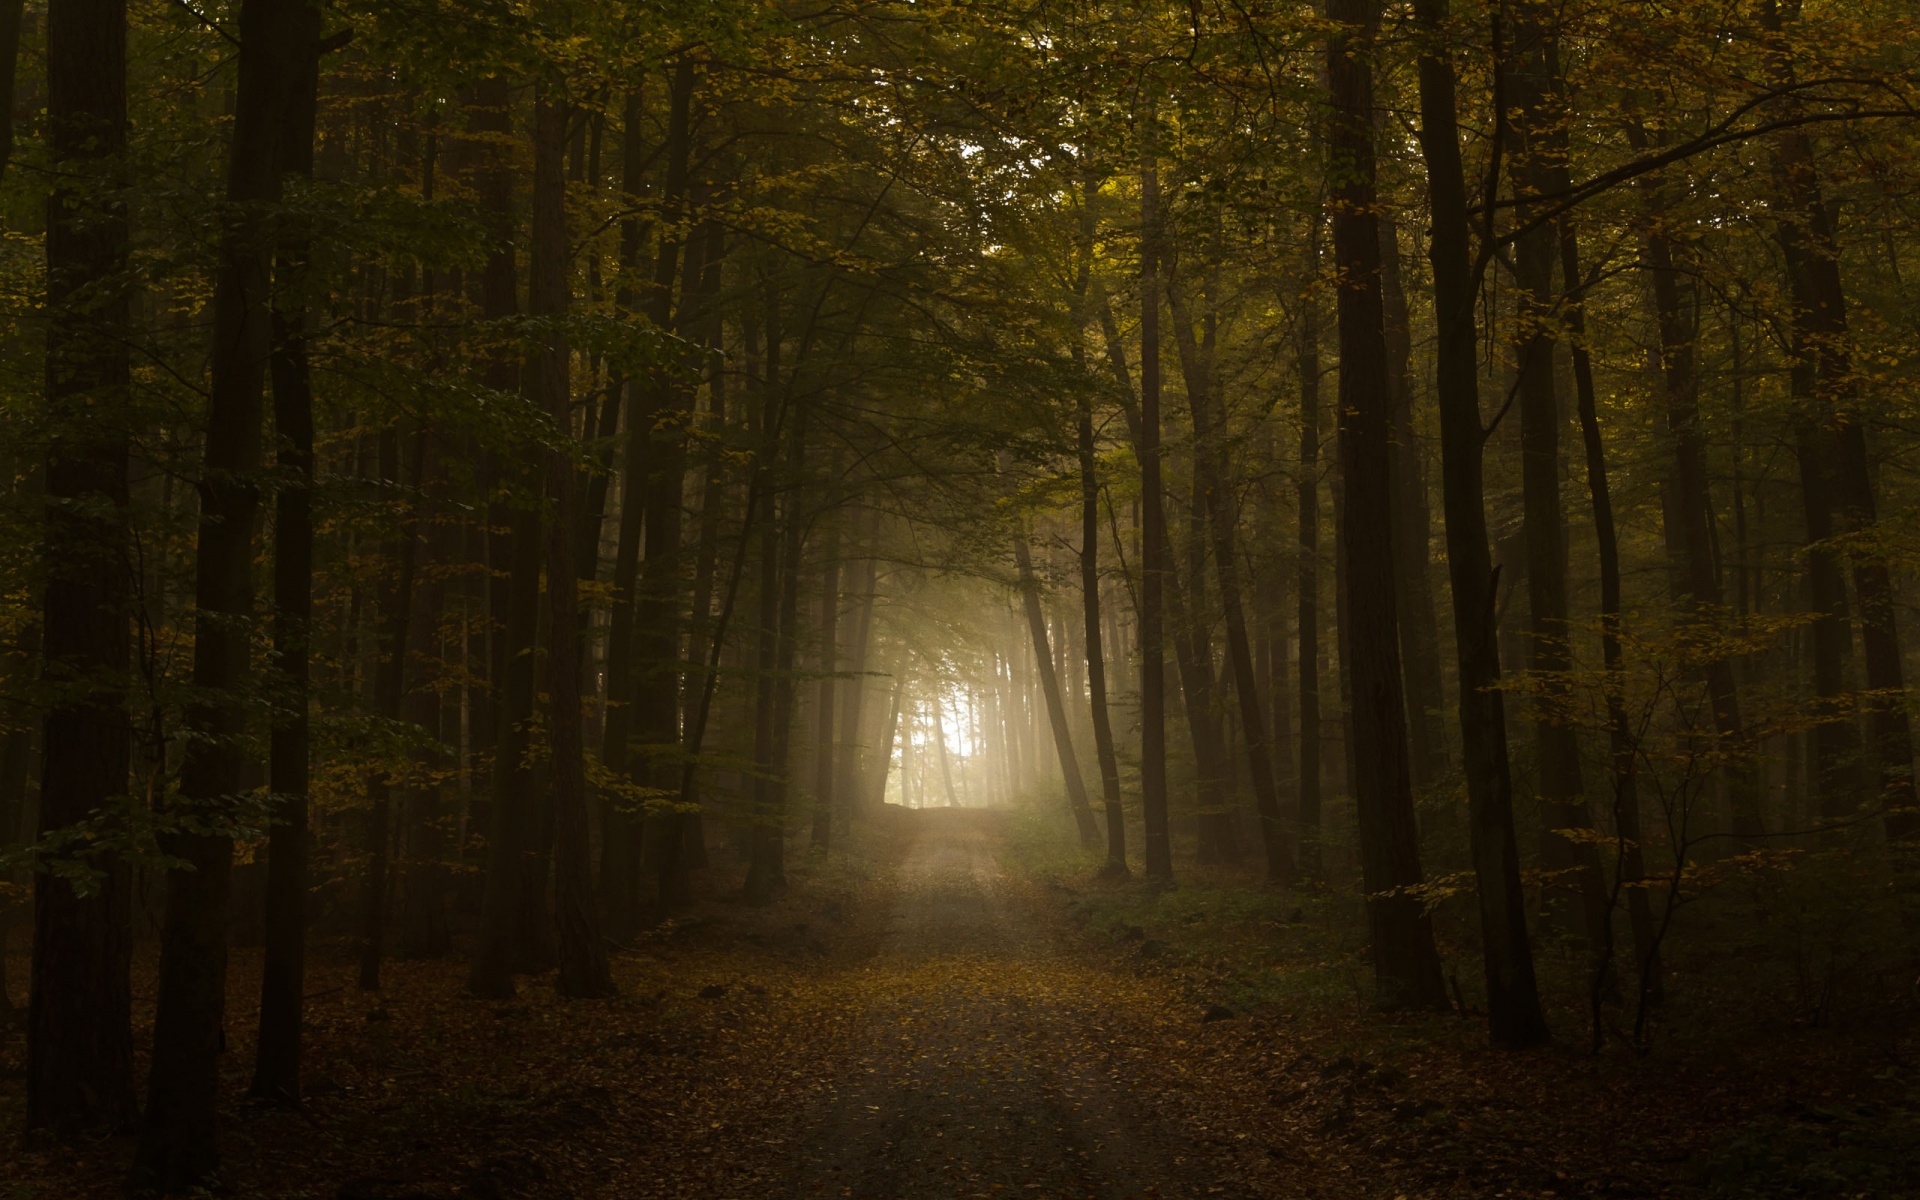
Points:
(823, 763)
(394, 606)
(1412, 548)
(848, 781)
(1103, 748)
(1821, 315)
(1537, 167)
(176, 1148)
(513, 602)
(1406, 964)
(1622, 746)
(620, 819)
(276, 1067)
(769, 874)
(766, 871)
(79, 1018)
(1307, 800)
(1050, 690)
(424, 930)
(1155, 552)
(887, 738)
(582, 952)
(1215, 483)
(11, 12)
(656, 695)
(1689, 514)
(1514, 1017)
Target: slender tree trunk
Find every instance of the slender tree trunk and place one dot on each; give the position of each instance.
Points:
(1155, 554)
(1689, 514)
(1184, 597)
(713, 484)
(11, 12)
(847, 784)
(620, 818)
(1821, 311)
(1412, 543)
(1215, 482)
(823, 774)
(395, 607)
(1050, 689)
(1103, 748)
(424, 931)
(176, 1148)
(79, 1018)
(1514, 1017)
(946, 754)
(1836, 737)
(276, 1068)
(770, 875)
(766, 872)
(1537, 166)
(16, 754)
(1630, 870)
(1406, 964)
(1307, 801)
(656, 708)
(514, 604)
(888, 736)
(582, 952)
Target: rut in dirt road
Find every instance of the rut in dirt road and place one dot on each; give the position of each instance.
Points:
(980, 1073)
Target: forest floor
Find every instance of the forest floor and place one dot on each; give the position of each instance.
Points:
(935, 1017)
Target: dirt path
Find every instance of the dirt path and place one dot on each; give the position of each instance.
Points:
(983, 1067)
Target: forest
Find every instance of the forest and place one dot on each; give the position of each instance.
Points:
(1096, 598)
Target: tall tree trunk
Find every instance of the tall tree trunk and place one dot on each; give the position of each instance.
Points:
(1406, 964)
(1412, 543)
(1307, 801)
(1821, 311)
(582, 952)
(889, 734)
(713, 483)
(770, 876)
(1689, 514)
(1537, 166)
(1215, 482)
(176, 1148)
(823, 762)
(16, 765)
(1630, 869)
(620, 831)
(766, 871)
(11, 12)
(1514, 1017)
(1103, 748)
(1050, 689)
(946, 754)
(1185, 598)
(276, 1068)
(656, 695)
(424, 931)
(395, 606)
(848, 782)
(506, 927)
(79, 1019)
(1155, 553)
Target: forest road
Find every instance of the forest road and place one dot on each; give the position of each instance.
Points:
(981, 1070)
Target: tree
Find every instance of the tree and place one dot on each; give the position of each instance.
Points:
(1514, 1017)
(276, 1072)
(79, 1020)
(177, 1138)
(1406, 966)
